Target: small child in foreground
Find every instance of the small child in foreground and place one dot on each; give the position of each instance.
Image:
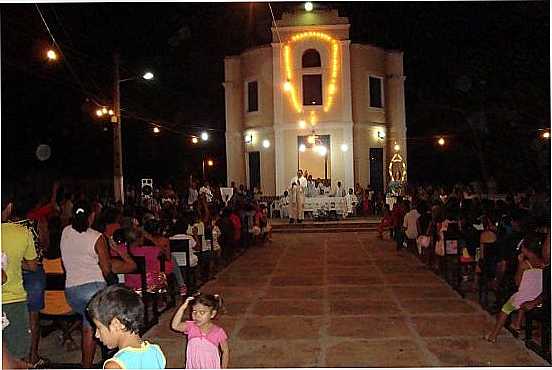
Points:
(118, 314)
(206, 341)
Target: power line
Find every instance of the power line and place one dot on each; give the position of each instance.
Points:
(94, 99)
(275, 25)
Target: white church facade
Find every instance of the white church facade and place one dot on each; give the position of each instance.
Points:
(313, 100)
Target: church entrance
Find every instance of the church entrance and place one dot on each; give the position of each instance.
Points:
(314, 155)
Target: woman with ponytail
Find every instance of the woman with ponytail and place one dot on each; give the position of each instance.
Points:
(87, 263)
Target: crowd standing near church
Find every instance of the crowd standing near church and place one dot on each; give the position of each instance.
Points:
(97, 239)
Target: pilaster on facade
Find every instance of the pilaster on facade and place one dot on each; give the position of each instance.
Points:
(346, 96)
(276, 82)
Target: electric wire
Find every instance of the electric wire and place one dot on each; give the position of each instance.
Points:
(274, 21)
(75, 76)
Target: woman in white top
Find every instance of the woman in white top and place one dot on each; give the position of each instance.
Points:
(87, 262)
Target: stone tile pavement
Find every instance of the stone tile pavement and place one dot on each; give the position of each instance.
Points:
(340, 300)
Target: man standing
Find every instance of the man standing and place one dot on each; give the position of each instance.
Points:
(311, 187)
(301, 188)
(193, 195)
(18, 246)
(339, 191)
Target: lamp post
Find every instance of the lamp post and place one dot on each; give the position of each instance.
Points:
(209, 163)
(118, 185)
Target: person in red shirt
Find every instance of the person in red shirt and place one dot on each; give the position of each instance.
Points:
(235, 219)
(397, 215)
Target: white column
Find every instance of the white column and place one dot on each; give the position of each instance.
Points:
(346, 81)
(348, 157)
(277, 83)
(279, 160)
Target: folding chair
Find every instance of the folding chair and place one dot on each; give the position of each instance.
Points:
(180, 250)
(56, 309)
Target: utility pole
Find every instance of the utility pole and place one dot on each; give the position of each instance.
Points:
(117, 137)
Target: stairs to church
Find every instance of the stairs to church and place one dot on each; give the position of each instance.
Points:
(341, 226)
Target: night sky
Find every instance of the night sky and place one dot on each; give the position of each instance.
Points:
(477, 73)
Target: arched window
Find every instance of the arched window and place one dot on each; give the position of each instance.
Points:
(311, 59)
(312, 79)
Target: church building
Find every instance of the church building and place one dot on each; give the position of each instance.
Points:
(313, 100)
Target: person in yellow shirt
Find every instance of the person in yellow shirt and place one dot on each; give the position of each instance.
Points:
(18, 246)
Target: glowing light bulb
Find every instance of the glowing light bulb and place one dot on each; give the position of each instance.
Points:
(546, 135)
(104, 110)
(266, 143)
(51, 55)
(287, 86)
(397, 147)
(302, 148)
(322, 150)
(204, 136)
(210, 163)
(195, 140)
(309, 6)
(344, 147)
(110, 112)
(441, 141)
(302, 123)
(156, 130)
(311, 139)
(148, 76)
(99, 113)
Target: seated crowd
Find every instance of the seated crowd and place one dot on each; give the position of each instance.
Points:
(97, 244)
(502, 243)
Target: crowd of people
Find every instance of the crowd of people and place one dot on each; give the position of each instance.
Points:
(96, 243)
(506, 238)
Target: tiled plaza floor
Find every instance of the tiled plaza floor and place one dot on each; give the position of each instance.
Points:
(342, 300)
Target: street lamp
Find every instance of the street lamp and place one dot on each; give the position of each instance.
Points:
(51, 55)
(441, 141)
(117, 137)
(204, 136)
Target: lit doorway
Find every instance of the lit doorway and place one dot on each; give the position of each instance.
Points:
(315, 156)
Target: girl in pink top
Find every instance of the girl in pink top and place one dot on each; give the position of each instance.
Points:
(206, 341)
(529, 280)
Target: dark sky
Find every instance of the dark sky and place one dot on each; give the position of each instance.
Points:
(461, 60)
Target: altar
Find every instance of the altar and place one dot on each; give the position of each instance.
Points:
(316, 204)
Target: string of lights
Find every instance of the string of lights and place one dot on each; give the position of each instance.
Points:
(157, 124)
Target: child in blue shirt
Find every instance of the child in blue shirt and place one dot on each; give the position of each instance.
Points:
(118, 314)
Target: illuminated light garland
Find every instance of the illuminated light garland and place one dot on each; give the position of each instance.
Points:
(332, 85)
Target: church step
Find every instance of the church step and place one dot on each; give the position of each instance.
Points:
(322, 229)
(329, 224)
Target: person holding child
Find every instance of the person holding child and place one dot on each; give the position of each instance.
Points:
(118, 314)
(206, 341)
